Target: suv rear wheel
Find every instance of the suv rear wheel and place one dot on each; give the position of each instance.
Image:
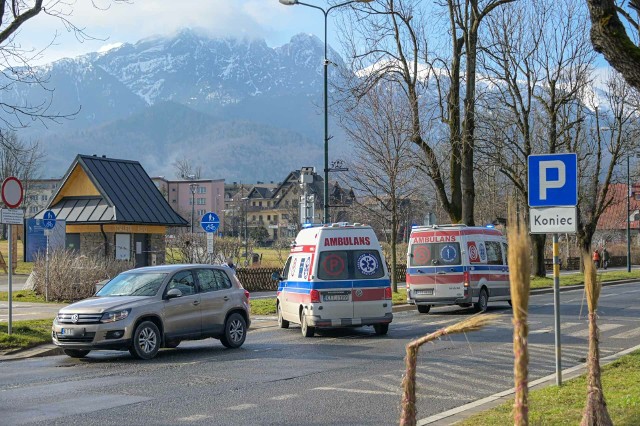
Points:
(235, 331)
(424, 309)
(146, 341)
(381, 329)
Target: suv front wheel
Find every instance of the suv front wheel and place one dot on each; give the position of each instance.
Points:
(146, 341)
(235, 331)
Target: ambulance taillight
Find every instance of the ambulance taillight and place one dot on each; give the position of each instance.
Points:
(387, 293)
(466, 278)
(315, 296)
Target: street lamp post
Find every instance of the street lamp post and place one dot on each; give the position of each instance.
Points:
(628, 218)
(245, 201)
(326, 101)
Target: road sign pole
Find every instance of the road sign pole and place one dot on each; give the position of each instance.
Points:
(46, 276)
(556, 308)
(9, 324)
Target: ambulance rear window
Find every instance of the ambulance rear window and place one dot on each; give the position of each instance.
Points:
(435, 254)
(350, 265)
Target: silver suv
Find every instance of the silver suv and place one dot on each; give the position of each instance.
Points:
(144, 309)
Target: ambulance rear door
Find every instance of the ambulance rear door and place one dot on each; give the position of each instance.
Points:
(334, 284)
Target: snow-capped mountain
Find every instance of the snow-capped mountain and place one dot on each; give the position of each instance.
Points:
(267, 93)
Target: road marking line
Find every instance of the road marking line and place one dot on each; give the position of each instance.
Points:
(386, 386)
(241, 407)
(194, 418)
(446, 369)
(603, 328)
(283, 397)
(445, 384)
(635, 332)
(370, 392)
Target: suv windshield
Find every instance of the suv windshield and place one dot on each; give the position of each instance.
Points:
(133, 284)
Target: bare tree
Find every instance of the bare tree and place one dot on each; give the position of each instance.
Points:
(396, 51)
(20, 159)
(15, 60)
(379, 127)
(615, 32)
(187, 168)
(537, 62)
(601, 149)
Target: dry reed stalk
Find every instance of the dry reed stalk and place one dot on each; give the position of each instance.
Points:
(595, 412)
(408, 412)
(519, 279)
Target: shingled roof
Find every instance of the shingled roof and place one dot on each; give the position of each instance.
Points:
(615, 215)
(125, 195)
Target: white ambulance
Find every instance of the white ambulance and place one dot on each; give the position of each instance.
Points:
(456, 265)
(335, 276)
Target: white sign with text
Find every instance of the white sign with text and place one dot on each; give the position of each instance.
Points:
(550, 220)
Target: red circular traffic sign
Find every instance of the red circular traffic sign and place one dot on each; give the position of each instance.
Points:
(12, 192)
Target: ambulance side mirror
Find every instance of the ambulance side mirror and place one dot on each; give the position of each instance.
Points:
(276, 276)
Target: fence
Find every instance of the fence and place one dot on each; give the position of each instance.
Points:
(259, 279)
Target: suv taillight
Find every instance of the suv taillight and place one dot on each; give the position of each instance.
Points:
(387, 293)
(246, 294)
(315, 296)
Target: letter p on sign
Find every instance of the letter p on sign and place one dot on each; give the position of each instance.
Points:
(544, 180)
(553, 180)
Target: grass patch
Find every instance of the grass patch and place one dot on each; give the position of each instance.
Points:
(564, 405)
(25, 334)
(578, 278)
(263, 306)
(22, 267)
(23, 296)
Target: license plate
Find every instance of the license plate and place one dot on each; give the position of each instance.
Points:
(335, 297)
(427, 292)
(66, 331)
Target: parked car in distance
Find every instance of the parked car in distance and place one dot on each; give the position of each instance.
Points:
(144, 309)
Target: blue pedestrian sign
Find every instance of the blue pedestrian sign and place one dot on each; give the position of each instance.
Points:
(210, 222)
(553, 180)
(49, 220)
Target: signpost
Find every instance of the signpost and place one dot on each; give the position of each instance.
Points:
(48, 223)
(12, 194)
(553, 196)
(210, 223)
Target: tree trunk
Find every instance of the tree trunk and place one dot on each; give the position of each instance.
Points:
(394, 238)
(595, 412)
(538, 267)
(609, 37)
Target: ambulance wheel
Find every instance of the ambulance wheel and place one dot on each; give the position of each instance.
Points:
(282, 323)
(307, 330)
(483, 301)
(381, 329)
(424, 309)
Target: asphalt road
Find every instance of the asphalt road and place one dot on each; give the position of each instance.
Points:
(345, 377)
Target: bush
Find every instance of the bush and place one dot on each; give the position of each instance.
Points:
(73, 277)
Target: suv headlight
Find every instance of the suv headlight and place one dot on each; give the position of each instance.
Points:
(115, 315)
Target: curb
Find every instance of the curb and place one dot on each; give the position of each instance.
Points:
(580, 286)
(464, 411)
(35, 352)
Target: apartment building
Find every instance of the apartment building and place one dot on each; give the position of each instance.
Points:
(192, 198)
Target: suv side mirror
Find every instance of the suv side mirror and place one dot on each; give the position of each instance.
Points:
(173, 293)
(276, 276)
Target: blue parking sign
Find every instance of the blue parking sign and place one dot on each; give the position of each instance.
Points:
(553, 180)
(210, 222)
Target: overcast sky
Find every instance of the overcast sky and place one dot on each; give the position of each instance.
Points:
(267, 19)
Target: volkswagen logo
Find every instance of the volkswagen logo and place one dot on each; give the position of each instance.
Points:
(74, 318)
